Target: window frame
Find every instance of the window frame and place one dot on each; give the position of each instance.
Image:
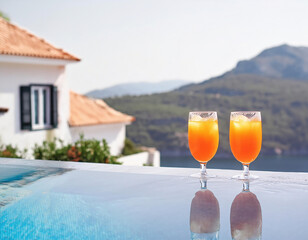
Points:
(50, 110)
(41, 108)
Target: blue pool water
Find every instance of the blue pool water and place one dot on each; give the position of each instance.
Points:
(11, 173)
(53, 203)
(87, 205)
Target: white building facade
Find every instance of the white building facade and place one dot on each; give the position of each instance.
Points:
(114, 134)
(33, 124)
(35, 97)
(95, 119)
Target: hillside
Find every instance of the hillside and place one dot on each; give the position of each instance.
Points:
(137, 88)
(162, 118)
(279, 62)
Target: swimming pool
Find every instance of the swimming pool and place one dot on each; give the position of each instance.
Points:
(52, 200)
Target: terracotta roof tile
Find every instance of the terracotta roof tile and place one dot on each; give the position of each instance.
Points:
(17, 41)
(86, 111)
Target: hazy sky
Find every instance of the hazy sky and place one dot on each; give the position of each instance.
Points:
(121, 41)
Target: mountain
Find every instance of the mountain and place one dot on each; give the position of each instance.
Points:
(161, 119)
(279, 62)
(137, 88)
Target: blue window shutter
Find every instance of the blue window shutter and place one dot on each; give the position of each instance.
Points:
(25, 108)
(54, 106)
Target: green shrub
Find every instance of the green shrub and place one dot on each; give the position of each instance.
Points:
(81, 151)
(130, 148)
(52, 150)
(8, 151)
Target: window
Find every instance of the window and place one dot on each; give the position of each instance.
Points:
(38, 107)
(40, 113)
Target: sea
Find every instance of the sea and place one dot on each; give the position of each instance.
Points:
(262, 163)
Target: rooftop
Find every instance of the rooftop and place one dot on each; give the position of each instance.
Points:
(19, 42)
(86, 111)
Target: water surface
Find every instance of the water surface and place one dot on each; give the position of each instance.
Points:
(262, 163)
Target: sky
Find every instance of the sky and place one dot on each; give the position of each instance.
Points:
(121, 41)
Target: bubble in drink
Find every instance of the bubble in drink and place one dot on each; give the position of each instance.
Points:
(255, 117)
(212, 117)
(196, 117)
(240, 118)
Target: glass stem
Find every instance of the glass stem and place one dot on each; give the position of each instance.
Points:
(203, 169)
(246, 170)
(246, 186)
(203, 182)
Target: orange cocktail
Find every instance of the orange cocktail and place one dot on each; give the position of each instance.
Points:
(245, 137)
(203, 139)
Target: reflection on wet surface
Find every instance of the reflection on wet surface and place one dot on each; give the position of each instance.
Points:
(246, 216)
(204, 214)
(12, 180)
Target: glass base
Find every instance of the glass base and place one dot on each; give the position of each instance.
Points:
(203, 174)
(204, 236)
(198, 175)
(245, 177)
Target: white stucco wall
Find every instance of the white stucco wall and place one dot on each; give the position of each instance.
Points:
(141, 159)
(113, 133)
(12, 76)
(15, 72)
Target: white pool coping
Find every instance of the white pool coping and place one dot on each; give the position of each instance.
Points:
(268, 176)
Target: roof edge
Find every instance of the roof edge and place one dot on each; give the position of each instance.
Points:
(107, 123)
(34, 60)
(113, 116)
(68, 56)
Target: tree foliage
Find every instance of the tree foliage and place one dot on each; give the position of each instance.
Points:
(130, 148)
(83, 150)
(10, 151)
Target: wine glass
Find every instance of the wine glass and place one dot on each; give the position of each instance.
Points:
(245, 139)
(203, 137)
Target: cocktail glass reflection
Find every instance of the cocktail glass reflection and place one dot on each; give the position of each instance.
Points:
(203, 137)
(245, 139)
(204, 215)
(246, 216)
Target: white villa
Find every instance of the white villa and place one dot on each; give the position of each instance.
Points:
(36, 103)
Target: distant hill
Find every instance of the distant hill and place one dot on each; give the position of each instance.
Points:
(161, 119)
(137, 88)
(279, 62)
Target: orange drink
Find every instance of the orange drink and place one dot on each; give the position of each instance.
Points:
(245, 138)
(203, 139)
